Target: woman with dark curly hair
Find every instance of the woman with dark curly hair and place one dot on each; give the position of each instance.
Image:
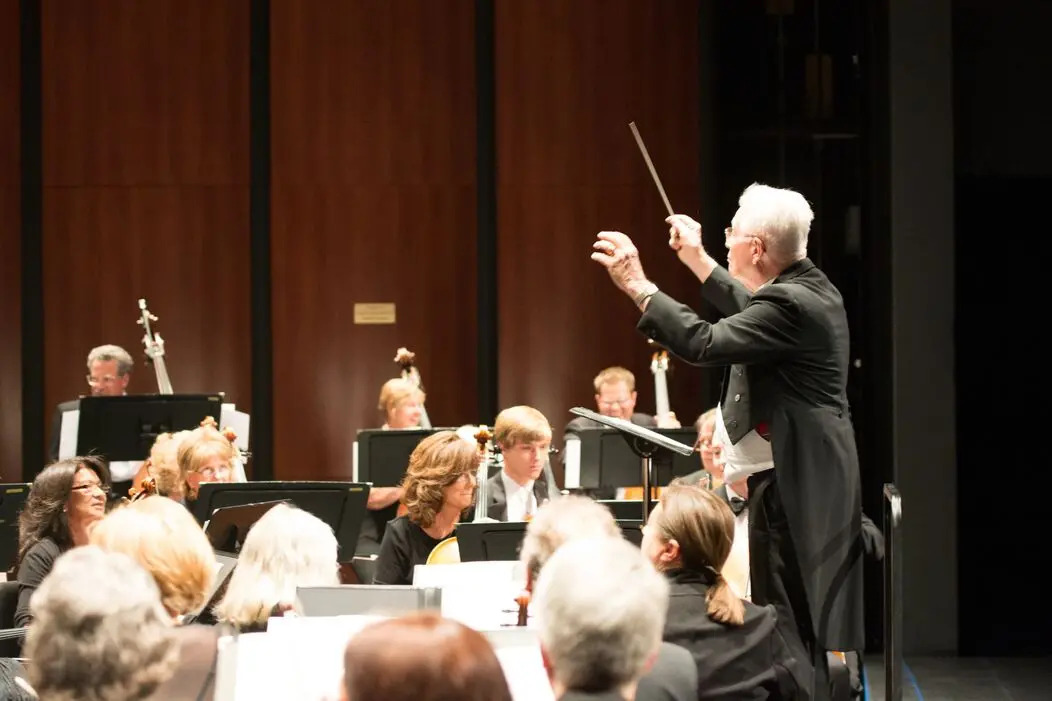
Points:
(439, 485)
(65, 502)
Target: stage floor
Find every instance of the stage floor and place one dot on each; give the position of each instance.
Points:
(966, 678)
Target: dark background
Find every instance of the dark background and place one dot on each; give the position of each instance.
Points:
(255, 167)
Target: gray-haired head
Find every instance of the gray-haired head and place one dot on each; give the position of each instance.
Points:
(601, 607)
(780, 216)
(559, 522)
(99, 631)
(112, 352)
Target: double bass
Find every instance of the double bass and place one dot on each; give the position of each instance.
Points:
(407, 360)
(143, 484)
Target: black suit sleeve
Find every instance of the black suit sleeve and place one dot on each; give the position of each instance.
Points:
(725, 293)
(392, 564)
(765, 331)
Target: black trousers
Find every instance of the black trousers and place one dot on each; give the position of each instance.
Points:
(775, 578)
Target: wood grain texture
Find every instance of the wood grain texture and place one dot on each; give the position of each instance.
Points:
(145, 121)
(569, 79)
(10, 247)
(373, 200)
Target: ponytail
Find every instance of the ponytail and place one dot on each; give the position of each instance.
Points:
(724, 605)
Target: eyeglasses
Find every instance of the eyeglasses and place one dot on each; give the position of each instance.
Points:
(210, 473)
(731, 238)
(615, 402)
(88, 487)
(96, 381)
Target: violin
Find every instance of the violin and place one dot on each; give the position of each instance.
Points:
(406, 358)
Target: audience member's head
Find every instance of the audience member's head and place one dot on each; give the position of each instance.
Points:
(524, 437)
(99, 631)
(693, 529)
(164, 465)
(66, 500)
(422, 657)
(166, 541)
(561, 521)
(441, 474)
(401, 403)
(109, 370)
(285, 549)
(615, 392)
(601, 609)
(207, 455)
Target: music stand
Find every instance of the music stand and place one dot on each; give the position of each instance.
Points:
(339, 504)
(124, 428)
(606, 461)
(12, 499)
(501, 541)
(383, 456)
(643, 442)
(228, 525)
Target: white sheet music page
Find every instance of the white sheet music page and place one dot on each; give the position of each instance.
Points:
(67, 442)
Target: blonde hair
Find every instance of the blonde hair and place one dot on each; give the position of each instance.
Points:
(287, 548)
(615, 374)
(521, 424)
(437, 462)
(202, 444)
(703, 526)
(561, 521)
(164, 463)
(396, 391)
(163, 537)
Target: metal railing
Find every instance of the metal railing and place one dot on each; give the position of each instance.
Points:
(892, 593)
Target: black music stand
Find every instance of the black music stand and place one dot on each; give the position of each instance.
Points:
(125, 428)
(342, 505)
(12, 499)
(608, 462)
(643, 442)
(502, 540)
(228, 525)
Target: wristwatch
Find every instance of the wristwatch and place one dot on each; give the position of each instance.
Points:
(649, 291)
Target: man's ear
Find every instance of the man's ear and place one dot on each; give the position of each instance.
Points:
(670, 551)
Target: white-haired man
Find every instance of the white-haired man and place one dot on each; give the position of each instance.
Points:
(671, 674)
(784, 340)
(601, 609)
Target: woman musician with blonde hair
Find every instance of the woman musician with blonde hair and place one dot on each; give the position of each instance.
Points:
(439, 486)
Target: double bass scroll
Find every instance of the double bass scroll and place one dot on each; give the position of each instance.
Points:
(407, 360)
(154, 349)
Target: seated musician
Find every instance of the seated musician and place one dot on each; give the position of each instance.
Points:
(422, 657)
(285, 549)
(738, 650)
(99, 630)
(524, 437)
(65, 502)
(600, 609)
(575, 518)
(439, 485)
(204, 455)
(615, 395)
(401, 403)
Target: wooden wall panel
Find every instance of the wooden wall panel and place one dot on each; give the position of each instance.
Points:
(373, 200)
(10, 248)
(145, 138)
(569, 79)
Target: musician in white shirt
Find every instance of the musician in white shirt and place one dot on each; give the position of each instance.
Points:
(524, 438)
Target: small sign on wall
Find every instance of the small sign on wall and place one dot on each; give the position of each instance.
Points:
(374, 313)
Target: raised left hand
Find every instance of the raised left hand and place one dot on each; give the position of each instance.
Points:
(616, 252)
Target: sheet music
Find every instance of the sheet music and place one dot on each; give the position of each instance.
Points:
(480, 595)
(524, 671)
(572, 462)
(354, 462)
(67, 442)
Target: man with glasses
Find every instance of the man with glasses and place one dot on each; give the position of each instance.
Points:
(615, 395)
(783, 421)
(109, 371)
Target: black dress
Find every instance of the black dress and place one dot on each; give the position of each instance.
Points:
(405, 545)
